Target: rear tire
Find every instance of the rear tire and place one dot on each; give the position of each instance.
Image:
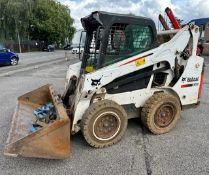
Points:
(14, 61)
(104, 123)
(161, 113)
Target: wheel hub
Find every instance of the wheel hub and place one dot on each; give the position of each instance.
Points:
(14, 61)
(165, 115)
(106, 126)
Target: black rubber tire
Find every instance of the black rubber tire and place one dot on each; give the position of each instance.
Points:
(12, 61)
(151, 107)
(92, 114)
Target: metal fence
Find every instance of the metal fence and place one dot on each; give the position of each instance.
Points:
(25, 46)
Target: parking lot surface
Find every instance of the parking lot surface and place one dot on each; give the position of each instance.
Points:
(184, 150)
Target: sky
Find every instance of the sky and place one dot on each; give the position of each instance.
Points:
(183, 9)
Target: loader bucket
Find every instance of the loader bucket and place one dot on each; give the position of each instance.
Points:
(51, 141)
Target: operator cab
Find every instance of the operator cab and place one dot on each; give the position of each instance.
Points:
(111, 38)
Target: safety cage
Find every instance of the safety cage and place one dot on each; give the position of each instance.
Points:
(122, 38)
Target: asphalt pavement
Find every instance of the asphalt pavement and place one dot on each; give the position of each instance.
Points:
(34, 57)
(30, 60)
(184, 150)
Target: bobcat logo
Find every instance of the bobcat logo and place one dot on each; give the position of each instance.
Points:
(183, 79)
(95, 82)
(190, 79)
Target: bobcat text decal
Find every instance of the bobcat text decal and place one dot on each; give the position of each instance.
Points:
(189, 80)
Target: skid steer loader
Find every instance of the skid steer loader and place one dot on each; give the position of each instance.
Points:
(126, 71)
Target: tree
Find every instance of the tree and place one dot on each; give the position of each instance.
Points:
(51, 22)
(131, 14)
(180, 21)
(18, 14)
(42, 20)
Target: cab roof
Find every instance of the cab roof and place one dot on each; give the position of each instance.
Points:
(106, 18)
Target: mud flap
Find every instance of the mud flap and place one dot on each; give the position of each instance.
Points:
(51, 141)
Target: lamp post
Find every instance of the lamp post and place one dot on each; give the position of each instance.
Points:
(2, 31)
(18, 36)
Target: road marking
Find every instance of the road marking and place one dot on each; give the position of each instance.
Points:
(30, 67)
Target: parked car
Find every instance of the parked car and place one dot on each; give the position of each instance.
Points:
(68, 47)
(48, 48)
(7, 57)
(75, 50)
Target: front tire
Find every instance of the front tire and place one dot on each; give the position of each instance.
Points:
(161, 113)
(14, 61)
(104, 123)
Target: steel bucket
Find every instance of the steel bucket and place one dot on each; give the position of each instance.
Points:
(51, 141)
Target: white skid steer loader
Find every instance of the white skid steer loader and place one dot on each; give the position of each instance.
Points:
(127, 71)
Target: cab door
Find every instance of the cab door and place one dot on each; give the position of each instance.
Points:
(4, 56)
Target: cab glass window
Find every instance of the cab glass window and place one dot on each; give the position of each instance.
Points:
(92, 49)
(125, 40)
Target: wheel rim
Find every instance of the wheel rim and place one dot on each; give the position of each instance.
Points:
(106, 126)
(165, 114)
(14, 61)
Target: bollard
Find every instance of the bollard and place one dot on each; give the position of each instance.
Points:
(66, 56)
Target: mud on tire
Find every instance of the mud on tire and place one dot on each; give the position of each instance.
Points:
(161, 113)
(104, 123)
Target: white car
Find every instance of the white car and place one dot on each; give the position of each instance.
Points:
(76, 50)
